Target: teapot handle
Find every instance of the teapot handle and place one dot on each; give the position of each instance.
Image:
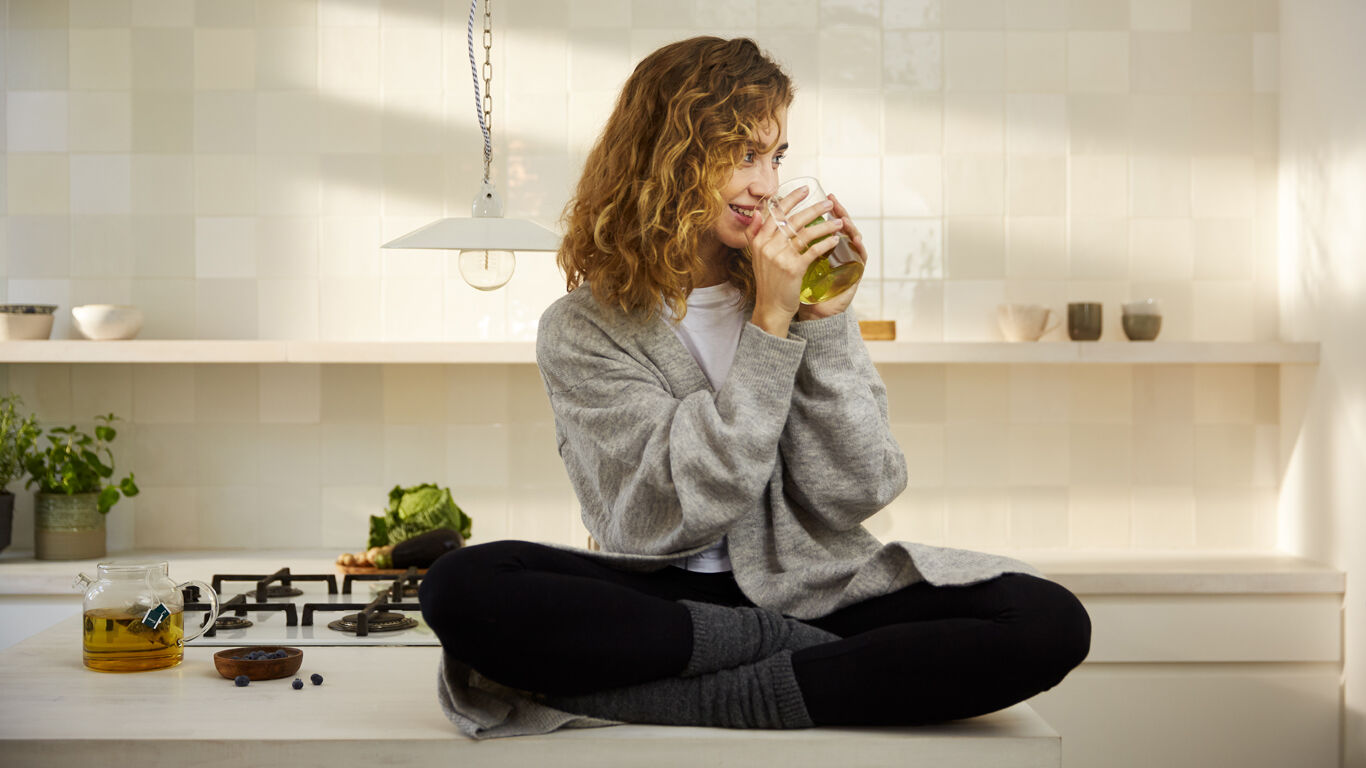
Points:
(204, 589)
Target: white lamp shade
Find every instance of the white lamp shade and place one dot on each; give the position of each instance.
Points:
(480, 234)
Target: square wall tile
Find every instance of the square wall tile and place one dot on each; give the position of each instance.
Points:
(1098, 249)
(1159, 185)
(165, 455)
(976, 457)
(1101, 517)
(1036, 248)
(1222, 186)
(974, 123)
(225, 308)
(973, 14)
(290, 393)
(970, 309)
(167, 518)
(100, 121)
(101, 59)
(913, 121)
(163, 246)
(917, 306)
(916, 394)
(414, 394)
(1164, 517)
(1036, 185)
(353, 453)
(1040, 394)
(1036, 124)
(352, 394)
(849, 122)
(224, 59)
(413, 453)
(974, 248)
(1225, 394)
(912, 249)
(977, 394)
(1223, 311)
(1098, 62)
(287, 308)
(346, 511)
(1160, 249)
(913, 59)
(850, 57)
(1101, 454)
(102, 389)
(478, 455)
(1163, 454)
(1040, 455)
(349, 310)
(36, 121)
(225, 247)
(101, 184)
(39, 184)
(1036, 62)
(1099, 186)
(974, 61)
(1225, 518)
(974, 185)
(36, 59)
(977, 518)
(1039, 518)
(230, 516)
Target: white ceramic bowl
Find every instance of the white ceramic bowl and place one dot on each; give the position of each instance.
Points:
(1143, 307)
(26, 321)
(103, 322)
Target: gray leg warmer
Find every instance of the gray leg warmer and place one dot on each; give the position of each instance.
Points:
(725, 637)
(758, 695)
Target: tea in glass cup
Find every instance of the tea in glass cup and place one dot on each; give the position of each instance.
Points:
(837, 271)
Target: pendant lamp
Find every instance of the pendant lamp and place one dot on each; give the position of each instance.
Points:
(485, 239)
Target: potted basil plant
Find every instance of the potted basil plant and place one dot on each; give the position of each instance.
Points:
(75, 490)
(16, 436)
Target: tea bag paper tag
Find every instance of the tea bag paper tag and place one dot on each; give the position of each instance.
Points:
(156, 615)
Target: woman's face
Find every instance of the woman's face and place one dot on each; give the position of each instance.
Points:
(755, 178)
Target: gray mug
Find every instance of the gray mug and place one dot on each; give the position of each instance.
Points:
(1084, 320)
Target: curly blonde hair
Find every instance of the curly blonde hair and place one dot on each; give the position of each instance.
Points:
(650, 189)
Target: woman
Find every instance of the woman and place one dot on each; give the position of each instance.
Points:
(725, 442)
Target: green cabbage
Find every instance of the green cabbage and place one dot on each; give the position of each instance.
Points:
(415, 511)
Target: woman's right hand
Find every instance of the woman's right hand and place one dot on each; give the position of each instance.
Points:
(779, 247)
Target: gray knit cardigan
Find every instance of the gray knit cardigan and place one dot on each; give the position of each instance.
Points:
(786, 460)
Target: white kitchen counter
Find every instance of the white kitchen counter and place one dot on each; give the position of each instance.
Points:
(377, 706)
(1085, 573)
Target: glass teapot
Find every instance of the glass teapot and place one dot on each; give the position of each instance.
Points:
(135, 617)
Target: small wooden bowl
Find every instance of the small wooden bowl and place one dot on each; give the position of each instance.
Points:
(230, 666)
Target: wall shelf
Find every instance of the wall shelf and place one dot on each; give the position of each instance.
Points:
(504, 352)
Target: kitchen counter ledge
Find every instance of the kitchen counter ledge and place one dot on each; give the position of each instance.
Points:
(377, 706)
(1085, 573)
(524, 352)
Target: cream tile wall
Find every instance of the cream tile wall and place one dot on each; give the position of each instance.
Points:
(231, 166)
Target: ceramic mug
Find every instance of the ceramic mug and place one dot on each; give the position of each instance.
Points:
(1084, 320)
(1024, 322)
(1142, 320)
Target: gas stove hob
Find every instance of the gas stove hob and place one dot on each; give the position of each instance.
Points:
(285, 608)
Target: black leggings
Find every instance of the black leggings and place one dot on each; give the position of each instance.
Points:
(547, 620)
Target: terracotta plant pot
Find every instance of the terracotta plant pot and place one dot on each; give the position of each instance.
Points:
(67, 527)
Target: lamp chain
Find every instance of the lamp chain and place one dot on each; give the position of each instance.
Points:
(488, 87)
(483, 108)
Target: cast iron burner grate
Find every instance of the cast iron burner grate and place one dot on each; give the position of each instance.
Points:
(379, 621)
(231, 622)
(266, 586)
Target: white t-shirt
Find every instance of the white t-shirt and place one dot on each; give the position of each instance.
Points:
(711, 331)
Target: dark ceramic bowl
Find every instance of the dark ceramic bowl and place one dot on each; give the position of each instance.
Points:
(230, 665)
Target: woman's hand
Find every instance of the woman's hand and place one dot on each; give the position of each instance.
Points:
(779, 244)
(838, 304)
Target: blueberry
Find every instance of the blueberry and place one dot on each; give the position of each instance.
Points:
(316, 678)
(280, 654)
(242, 681)
(297, 683)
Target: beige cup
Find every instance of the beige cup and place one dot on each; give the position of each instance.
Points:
(1024, 322)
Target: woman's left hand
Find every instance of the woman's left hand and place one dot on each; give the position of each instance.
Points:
(831, 307)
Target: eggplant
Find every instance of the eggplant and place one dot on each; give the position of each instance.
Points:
(423, 550)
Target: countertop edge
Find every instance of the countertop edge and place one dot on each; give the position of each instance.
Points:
(1085, 573)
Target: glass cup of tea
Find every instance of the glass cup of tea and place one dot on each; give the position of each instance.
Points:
(837, 271)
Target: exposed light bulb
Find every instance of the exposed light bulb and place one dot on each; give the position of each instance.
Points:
(487, 270)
